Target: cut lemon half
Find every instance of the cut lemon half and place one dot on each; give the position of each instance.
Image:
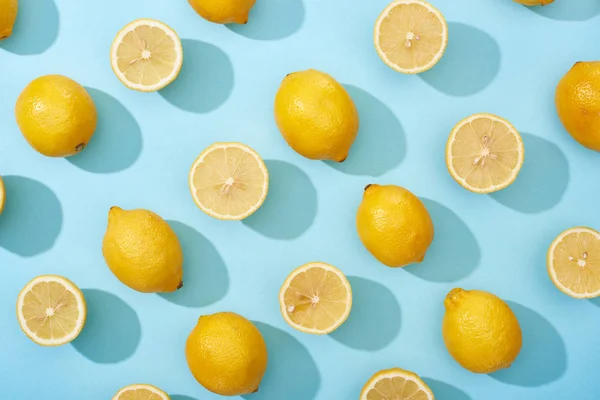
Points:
(2, 195)
(484, 153)
(229, 181)
(146, 55)
(396, 384)
(51, 310)
(411, 36)
(141, 392)
(574, 262)
(316, 298)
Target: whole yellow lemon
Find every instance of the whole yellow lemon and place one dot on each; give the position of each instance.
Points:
(480, 331)
(316, 115)
(227, 354)
(394, 225)
(534, 2)
(223, 11)
(56, 115)
(578, 103)
(142, 250)
(8, 16)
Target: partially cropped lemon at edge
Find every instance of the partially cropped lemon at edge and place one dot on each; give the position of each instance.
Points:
(8, 16)
(2, 195)
(534, 2)
(316, 115)
(223, 11)
(396, 384)
(141, 391)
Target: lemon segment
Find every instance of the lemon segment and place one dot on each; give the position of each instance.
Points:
(229, 181)
(141, 392)
(574, 262)
(146, 55)
(484, 153)
(51, 310)
(396, 384)
(2, 195)
(411, 36)
(316, 298)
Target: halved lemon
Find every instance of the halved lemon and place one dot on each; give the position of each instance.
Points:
(484, 153)
(51, 310)
(141, 392)
(411, 36)
(574, 262)
(229, 181)
(397, 384)
(146, 55)
(316, 298)
(2, 195)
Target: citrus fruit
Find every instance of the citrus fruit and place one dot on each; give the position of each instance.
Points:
(316, 298)
(574, 262)
(411, 36)
(577, 99)
(8, 16)
(51, 310)
(2, 195)
(534, 2)
(141, 392)
(142, 251)
(480, 331)
(227, 354)
(316, 115)
(396, 384)
(484, 153)
(146, 55)
(56, 115)
(229, 181)
(223, 11)
(394, 225)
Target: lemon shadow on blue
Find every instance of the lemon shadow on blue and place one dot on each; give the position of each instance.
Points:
(291, 204)
(375, 319)
(454, 253)
(117, 141)
(205, 278)
(112, 331)
(205, 81)
(32, 217)
(292, 373)
(542, 181)
(181, 397)
(444, 391)
(272, 20)
(380, 144)
(543, 357)
(35, 29)
(470, 63)
(580, 10)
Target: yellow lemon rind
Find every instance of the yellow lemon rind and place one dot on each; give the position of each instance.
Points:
(462, 182)
(2, 195)
(392, 373)
(145, 386)
(303, 268)
(153, 23)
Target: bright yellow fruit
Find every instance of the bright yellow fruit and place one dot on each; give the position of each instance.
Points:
(51, 310)
(394, 225)
(534, 2)
(396, 384)
(411, 36)
(315, 298)
(8, 16)
(141, 392)
(223, 11)
(484, 153)
(229, 181)
(142, 250)
(316, 115)
(2, 195)
(227, 354)
(480, 331)
(577, 100)
(574, 262)
(146, 55)
(56, 115)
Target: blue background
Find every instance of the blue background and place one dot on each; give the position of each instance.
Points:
(501, 58)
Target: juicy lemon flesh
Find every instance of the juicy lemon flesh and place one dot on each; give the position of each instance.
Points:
(229, 181)
(485, 154)
(396, 388)
(576, 262)
(316, 299)
(411, 36)
(140, 394)
(146, 55)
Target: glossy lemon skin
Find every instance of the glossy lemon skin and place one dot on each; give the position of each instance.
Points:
(316, 116)
(480, 331)
(394, 225)
(534, 2)
(223, 11)
(8, 16)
